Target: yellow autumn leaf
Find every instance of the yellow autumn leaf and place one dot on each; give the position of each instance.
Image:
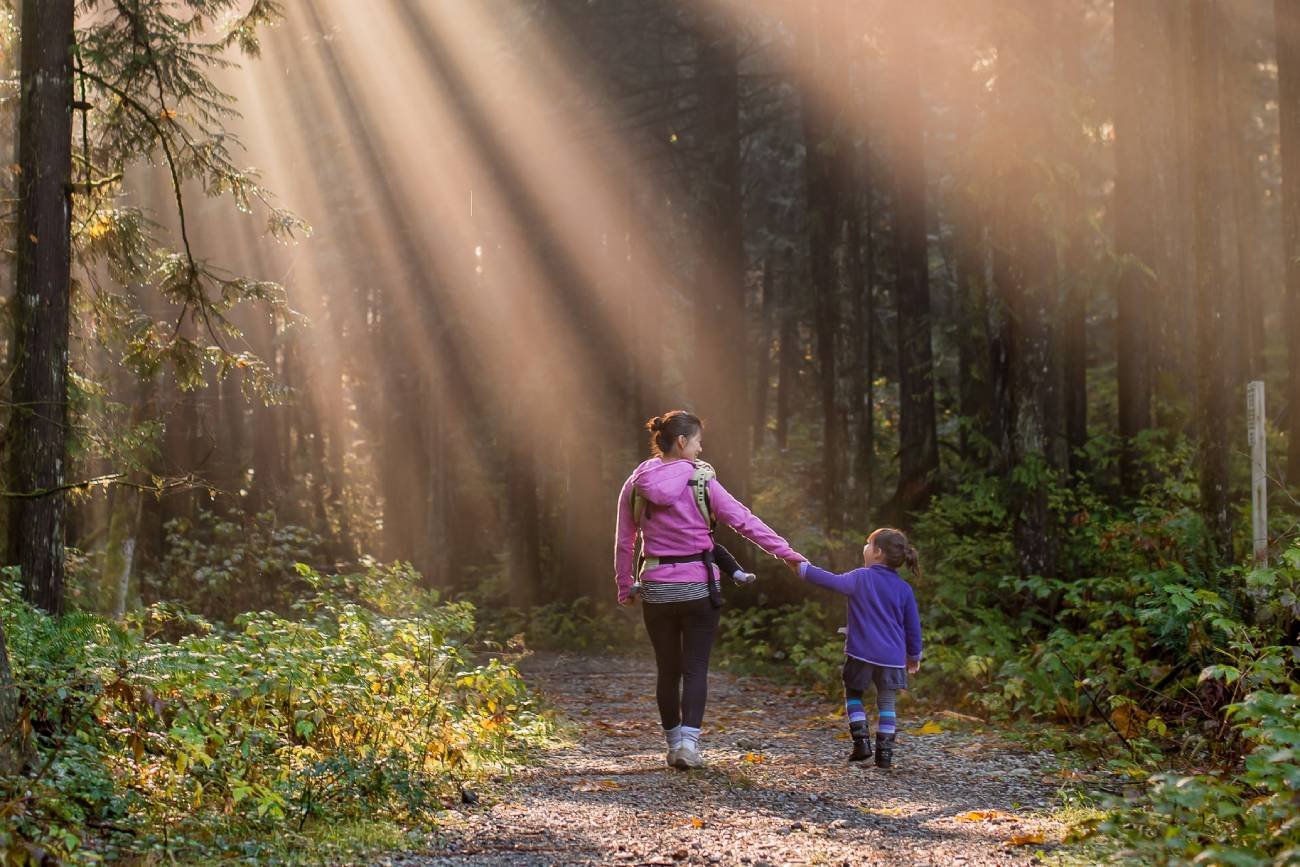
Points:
(930, 728)
(609, 784)
(753, 758)
(1027, 839)
(980, 815)
(884, 811)
(697, 822)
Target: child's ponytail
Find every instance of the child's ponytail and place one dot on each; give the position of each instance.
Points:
(913, 560)
(898, 551)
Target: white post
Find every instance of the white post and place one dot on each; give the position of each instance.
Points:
(1256, 432)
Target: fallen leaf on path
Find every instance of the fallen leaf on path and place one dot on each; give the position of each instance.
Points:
(842, 736)
(884, 811)
(964, 717)
(697, 822)
(930, 728)
(597, 786)
(1027, 839)
(753, 758)
(981, 816)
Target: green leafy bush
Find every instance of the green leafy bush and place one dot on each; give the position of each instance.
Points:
(798, 642)
(367, 705)
(224, 565)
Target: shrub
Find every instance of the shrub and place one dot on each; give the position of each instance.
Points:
(206, 744)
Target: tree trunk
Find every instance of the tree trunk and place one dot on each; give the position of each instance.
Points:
(1137, 80)
(1074, 279)
(862, 282)
(39, 421)
(918, 443)
(1024, 269)
(788, 353)
(1214, 394)
(1287, 17)
(719, 322)
(524, 579)
(824, 147)
(763, 373)
(974, 376)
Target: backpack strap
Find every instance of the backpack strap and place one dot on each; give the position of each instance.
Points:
(704, 473)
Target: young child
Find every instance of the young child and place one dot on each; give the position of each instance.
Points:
(883, 641)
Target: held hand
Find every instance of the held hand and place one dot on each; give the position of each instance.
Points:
(793, 565)
(913, 666)
(632, 593)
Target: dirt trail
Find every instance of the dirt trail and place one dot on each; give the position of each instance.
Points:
(777, 789)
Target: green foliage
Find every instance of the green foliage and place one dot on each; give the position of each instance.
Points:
(581, 624)
(147, 71)
(1243, 814)
(798, 641)
(366, 707)
(223, 565)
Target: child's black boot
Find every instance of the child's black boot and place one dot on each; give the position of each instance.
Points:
(861, 742)
(884, 750)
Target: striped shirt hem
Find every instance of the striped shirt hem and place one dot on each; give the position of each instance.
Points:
(671, 591)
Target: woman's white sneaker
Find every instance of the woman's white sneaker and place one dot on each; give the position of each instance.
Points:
(687, 758)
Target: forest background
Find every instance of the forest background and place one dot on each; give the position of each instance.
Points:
(995, 271)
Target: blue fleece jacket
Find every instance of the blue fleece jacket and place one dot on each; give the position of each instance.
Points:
(884, 627)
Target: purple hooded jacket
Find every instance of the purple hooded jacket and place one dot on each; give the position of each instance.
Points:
(672, 525)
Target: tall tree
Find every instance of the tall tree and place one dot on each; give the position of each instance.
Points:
(1138, 78)
(1287, 20)
(1070, 119)
(789, 352)
(824, 148)
(918, 443)
(763, 375)
(39, 423)
(1024, 270)
(720, 292)
(1213, 365)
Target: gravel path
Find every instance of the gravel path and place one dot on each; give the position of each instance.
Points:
(777, 789)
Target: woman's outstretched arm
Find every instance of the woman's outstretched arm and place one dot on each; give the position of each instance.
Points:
(733, 513)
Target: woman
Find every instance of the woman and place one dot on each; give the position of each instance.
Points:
(678, 586)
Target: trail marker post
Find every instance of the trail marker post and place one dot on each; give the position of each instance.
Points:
(1255, 432)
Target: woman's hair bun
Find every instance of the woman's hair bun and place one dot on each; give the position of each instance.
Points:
(656, 423)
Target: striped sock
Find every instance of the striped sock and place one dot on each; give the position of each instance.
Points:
(885, 699)
(857, 715)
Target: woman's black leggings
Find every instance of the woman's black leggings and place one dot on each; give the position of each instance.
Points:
(682, 634)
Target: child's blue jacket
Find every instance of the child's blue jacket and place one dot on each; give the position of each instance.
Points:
(884, 627)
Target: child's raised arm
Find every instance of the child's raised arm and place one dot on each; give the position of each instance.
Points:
(844, 583)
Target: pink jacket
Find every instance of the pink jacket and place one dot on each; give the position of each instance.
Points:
(672, 525)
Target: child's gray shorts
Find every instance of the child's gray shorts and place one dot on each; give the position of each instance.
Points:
(861, 675)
